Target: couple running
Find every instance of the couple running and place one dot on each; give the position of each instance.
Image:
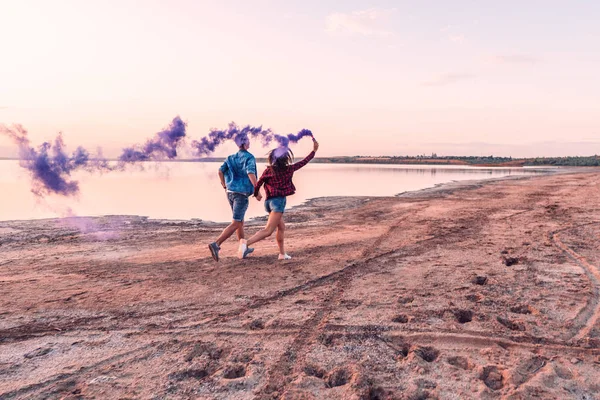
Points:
(238, 178)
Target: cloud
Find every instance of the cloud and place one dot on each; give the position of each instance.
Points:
(448, 79)
(513, 59)
(3, 107)
(371, 23)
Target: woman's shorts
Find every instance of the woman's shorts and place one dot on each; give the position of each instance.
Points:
(275, 204)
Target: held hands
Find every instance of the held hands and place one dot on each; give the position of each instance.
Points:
(259, 196)
(315, 145)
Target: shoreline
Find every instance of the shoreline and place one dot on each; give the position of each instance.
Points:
(437, 188)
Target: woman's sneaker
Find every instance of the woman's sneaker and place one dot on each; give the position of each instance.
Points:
(248, 251)
(242, 249)
(284, 257)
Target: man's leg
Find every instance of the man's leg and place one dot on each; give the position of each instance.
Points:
(240, 232)
(229, 230)
(215, 246)
(238, 204)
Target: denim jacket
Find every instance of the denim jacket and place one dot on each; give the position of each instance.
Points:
(236, 169)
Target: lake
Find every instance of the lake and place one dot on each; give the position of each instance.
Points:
(185, 190)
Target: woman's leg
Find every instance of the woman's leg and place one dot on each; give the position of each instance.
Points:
(272, 224)
(280, 233)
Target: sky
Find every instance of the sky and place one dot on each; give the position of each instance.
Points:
(512, 78)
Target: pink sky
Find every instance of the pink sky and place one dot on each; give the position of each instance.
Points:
(368, 78)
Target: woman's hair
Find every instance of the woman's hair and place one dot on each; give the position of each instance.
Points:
(279, 161)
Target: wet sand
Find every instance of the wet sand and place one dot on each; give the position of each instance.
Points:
(471, 290)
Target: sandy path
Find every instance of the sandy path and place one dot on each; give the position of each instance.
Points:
(466, 291)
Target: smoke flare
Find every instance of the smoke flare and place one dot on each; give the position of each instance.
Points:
(284, 141)
(208, 144)
(162, 145)
(49, 165)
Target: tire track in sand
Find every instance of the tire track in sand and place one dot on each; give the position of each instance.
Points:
(589, 315)
(291, 363)
(56, 379)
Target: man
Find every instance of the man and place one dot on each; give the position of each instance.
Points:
(238, 178)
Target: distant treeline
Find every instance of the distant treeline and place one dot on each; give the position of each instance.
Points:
(592, 161)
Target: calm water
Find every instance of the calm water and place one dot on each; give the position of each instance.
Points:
(192, 190)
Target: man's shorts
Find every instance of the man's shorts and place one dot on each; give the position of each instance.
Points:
(239, 204)
(275, 204)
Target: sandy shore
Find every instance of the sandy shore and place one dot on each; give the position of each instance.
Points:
(469, 290)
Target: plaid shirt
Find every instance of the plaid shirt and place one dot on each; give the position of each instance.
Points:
(279, 183)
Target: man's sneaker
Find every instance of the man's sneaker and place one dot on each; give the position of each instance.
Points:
(214, 250)
(284, 257)
(242, 248)
(247, 251)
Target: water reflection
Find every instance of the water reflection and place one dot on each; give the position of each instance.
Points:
(192, 190)
(433, 170)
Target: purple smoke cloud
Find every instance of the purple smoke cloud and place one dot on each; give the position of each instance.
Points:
(50, 166)
(162, 145)
(284, 141)
(207, 145)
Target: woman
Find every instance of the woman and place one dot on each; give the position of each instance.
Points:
(277, 179)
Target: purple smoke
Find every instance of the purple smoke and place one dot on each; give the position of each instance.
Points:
(216, 137)
(162, 145)
(50, 166)
(284, 141)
